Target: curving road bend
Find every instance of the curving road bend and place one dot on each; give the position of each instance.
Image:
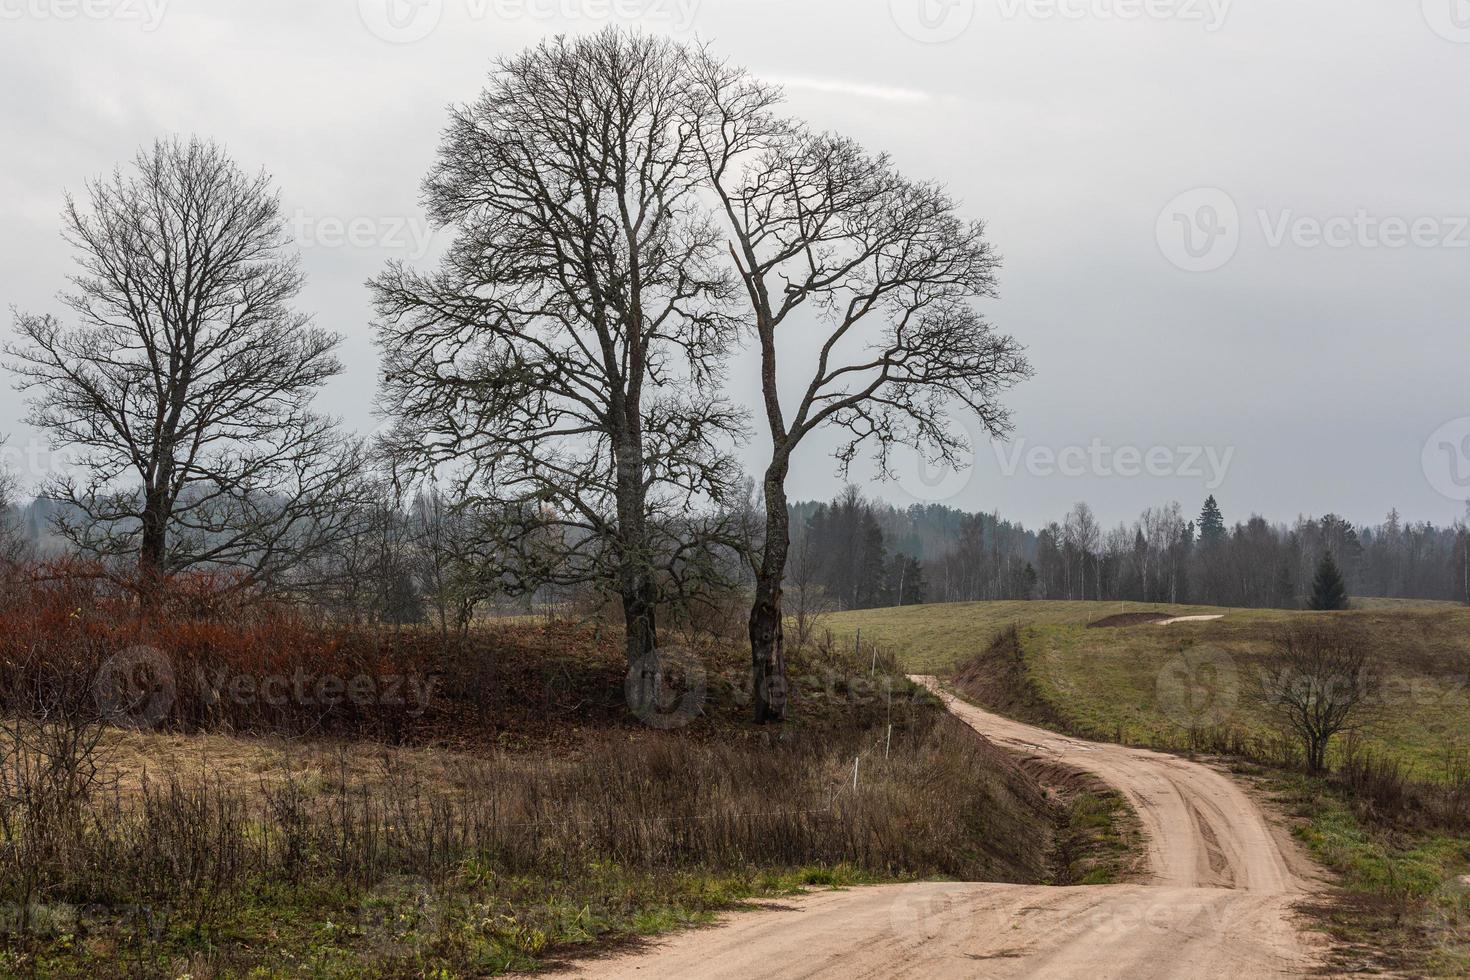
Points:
(1218, 901)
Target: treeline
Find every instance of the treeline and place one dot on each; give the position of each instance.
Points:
(848, 552)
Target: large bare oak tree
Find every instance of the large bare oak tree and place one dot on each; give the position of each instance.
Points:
(877, 275)
(185, 382)
(559, 363)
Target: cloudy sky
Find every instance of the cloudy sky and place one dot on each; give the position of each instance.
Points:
(1236, 232)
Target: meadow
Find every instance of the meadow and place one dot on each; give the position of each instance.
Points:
(1390, 819)
(1155, 684)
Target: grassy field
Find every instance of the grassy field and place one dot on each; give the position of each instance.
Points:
(1153, 684)
(1163, 685)
(932, 639)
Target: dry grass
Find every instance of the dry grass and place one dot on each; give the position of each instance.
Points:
(240, 850)
(526, 814)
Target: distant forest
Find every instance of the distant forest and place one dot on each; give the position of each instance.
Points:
(856, 553)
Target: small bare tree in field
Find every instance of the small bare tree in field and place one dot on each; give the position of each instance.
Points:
(860, 285)
(1316, 685)
(560, 365)
(187, 377)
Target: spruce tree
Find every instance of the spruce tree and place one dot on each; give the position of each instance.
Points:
(1328, 590)
(1211, 523)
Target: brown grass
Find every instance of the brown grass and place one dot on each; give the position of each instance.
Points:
(527, 806)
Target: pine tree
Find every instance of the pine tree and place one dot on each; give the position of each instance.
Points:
(1211, 523)
(1328, 590)
(872, 564)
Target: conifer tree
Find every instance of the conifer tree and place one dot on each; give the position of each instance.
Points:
(1328, 589)
(1211, 523)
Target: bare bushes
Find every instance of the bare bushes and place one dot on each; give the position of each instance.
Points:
(933, 800)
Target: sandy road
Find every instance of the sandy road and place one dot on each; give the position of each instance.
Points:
(1218, 902)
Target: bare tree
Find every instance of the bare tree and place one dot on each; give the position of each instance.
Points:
(12, 542)
(560, 363)
(187, 378)
(811, 599)
(1081, 532)
(456, 571)
(1316, 686)
(878, 272)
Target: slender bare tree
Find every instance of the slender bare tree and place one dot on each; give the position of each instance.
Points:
(560, 363)
(1317, 686)
(187, 379)
(876, 275)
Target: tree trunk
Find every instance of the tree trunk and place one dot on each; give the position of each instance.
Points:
(154, 550)
(767, 633)
(635, 572)
(1316, 755)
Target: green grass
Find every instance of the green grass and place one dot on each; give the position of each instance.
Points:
(479, 923)
(1153, 683)
(1408, 909)
(933, 638)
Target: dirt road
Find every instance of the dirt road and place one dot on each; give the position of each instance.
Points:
(1218, 902)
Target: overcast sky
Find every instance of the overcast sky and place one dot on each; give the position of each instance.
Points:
(1236, 234)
